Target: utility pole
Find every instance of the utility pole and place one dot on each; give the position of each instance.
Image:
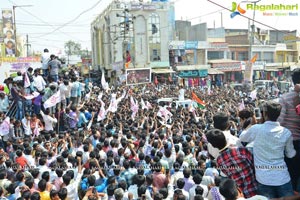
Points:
(27, 45)
(126, 29)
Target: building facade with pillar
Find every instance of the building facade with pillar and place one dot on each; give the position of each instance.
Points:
(134, 31)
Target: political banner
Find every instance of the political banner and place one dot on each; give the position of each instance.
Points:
(138, 76)
(8, 32)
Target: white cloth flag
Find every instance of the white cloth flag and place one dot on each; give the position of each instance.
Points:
(242, 106)
(101, 114)
(4, 127)
(253, 94)
(53, 100)
(113, 106)
(100, 96)
(121, 97)
(134, 107)
(148, 105)
(103, 82)
(26, 81)
(164, 113)
(143, 104)
(32, 96)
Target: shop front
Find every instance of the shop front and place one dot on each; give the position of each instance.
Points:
(162, 73)
(192, 75)
(232, 69)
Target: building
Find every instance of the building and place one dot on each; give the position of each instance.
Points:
(133, 31)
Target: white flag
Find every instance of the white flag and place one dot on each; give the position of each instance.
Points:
(134, 107)
(103, 82)
(253, 94)
(4, 127)
(101, 114)
(26, 81)
(148, 105)
(32, 96)
(143, 104)
(53, 100)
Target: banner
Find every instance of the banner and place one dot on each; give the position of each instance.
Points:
(8, 31)
(53, 100)
(138, 76)
(11, 68)
(248, 72)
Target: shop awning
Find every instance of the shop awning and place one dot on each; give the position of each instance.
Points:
(162, 71)
(213, 71)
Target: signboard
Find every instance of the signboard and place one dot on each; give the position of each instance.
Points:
(248, 72)
(217, 46)
(8, 31)
(203, 45)
(227, 67)
(138, 76)
(161, 64)
(176, 45)
(191, 44)
(257, 65)
(146, 7)
(8, 68)
(193, 73)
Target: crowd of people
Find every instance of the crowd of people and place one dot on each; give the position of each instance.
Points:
(122, 143)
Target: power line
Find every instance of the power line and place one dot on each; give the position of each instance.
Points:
(261, 23)
(71, 21)
(32, 24)
(41, 20)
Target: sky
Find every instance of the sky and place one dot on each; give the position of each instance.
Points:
(44, 20)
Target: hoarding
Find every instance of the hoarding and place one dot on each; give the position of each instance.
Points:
(138, 76)
(8, 31)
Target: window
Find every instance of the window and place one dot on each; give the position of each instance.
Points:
(154, 37)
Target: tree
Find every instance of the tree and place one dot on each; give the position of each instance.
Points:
(72, 48)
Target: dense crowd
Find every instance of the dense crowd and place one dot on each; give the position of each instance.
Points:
(122, 143)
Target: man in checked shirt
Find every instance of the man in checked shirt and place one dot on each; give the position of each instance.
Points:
(235, 162)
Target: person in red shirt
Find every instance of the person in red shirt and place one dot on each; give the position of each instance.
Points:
(21, 160)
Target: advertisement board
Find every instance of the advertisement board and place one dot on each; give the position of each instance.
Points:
(138, 76)
(8, 31)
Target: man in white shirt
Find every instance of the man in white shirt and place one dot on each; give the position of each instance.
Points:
(177, 174)
(192, 192)
(29, 157)
(180, 185)
(26, 125)
(272, 143)
(38, 80)
(49, 121)
(45, 61)
(72, 187)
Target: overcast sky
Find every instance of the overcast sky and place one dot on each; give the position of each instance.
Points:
(47, 15)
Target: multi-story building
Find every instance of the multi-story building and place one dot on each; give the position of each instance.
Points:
(134, 31)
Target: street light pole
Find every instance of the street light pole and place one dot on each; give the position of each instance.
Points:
(15, 28)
